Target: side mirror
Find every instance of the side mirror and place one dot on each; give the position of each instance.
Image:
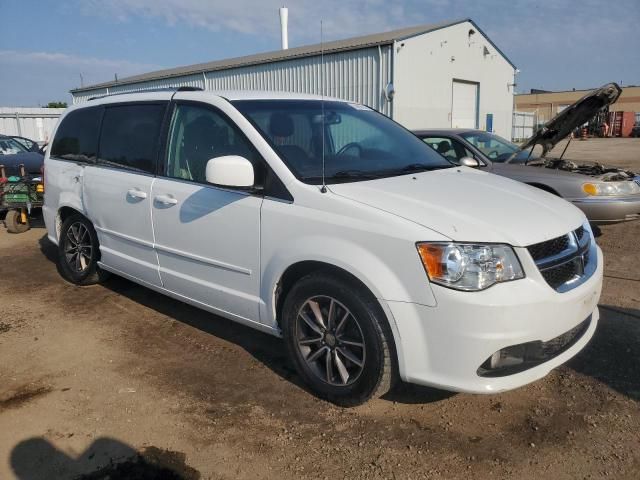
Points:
(230, 171)
(469, 162)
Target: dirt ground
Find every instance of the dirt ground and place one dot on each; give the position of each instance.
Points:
(116, 381)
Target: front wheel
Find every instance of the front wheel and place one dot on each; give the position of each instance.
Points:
(78, 252)
(338, 339)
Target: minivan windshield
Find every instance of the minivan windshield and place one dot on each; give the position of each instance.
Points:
(359, 143)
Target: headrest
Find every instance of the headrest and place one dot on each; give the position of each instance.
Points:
(281, 125)
(443, 146)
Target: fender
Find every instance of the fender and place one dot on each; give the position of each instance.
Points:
(373, 271)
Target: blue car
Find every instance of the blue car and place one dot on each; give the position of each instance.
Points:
(13, 154)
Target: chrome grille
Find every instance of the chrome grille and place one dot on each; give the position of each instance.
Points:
(565, 262)
(551, 247)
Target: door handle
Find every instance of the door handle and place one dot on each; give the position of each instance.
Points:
(135, 193)
(165, 200)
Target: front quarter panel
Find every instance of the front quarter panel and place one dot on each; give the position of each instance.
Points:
(567, 185)
(376, 247)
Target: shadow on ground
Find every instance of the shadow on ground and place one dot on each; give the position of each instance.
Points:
(105, 459)
(612, 357)
(265, 348)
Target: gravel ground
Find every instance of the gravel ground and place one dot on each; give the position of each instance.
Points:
(115, 381)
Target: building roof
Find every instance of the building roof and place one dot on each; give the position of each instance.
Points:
(536, 91)
(354, 43)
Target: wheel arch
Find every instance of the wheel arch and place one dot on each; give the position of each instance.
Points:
(544, 187)
(298, 270)
(64, 212)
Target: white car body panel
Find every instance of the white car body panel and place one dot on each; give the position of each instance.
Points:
(226, 251)
(119, 205)
(466, 204)
(214, 257)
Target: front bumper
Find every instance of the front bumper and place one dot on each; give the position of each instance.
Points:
(602, 210)
(444, 346)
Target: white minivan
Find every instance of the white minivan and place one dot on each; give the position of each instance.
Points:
(326, 223)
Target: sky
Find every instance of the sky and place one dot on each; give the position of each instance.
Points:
(48, 47)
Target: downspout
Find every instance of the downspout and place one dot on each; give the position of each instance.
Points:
(392, 63)
(381, 96)
(18, 126)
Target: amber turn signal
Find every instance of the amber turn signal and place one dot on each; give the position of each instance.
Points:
(589, 189)
(431, 256)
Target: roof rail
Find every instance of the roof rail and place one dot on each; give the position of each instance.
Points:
(162, 89)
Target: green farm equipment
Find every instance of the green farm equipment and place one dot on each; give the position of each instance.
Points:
(19, 195)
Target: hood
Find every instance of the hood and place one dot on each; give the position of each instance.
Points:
(572, 117)
(32, 162)
(465, 204)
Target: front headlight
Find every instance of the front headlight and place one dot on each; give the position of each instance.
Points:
(469, 266)
(611, 189)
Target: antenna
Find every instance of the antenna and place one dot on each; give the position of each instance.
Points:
(324, 185)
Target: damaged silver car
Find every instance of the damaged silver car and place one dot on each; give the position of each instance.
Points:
(606, 194)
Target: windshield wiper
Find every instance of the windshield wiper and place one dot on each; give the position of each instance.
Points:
(421, 167)
(344, 175)
(353, 174)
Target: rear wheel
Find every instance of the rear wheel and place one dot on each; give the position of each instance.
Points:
(78, 252)
(15, 223)
(338, 339)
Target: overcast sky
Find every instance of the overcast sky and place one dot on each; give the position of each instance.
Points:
(46, 45)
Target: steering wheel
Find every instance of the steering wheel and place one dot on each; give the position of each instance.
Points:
(493, 154)
(349, 146)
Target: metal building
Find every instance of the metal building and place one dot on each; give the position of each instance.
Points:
(440, 75)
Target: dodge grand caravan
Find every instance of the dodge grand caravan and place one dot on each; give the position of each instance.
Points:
(328, 224)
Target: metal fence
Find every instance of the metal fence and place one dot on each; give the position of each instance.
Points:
(34, 123)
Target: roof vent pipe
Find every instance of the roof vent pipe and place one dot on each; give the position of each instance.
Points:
(284, 20)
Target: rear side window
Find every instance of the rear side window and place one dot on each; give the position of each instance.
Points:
(77, 136)
(130, 136)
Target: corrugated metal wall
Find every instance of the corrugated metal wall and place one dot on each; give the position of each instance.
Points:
(356, 75)
(34, 123)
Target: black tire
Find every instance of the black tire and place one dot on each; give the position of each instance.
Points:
(376, 374)
(81, 269)
(13, 222)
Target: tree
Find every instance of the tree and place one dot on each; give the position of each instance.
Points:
(56, 105)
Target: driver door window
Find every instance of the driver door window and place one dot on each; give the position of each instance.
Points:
(199, 134)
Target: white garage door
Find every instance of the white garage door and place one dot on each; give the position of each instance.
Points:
(464, 105)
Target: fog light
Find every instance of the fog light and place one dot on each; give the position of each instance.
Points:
(518, 358)
(508, 357)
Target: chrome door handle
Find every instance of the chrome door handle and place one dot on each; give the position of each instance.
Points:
(165, 200)
(135, 193)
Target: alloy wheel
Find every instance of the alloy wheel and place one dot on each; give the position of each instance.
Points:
(330, 340)
(78, 250)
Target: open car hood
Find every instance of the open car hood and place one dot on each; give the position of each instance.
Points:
(572, 117)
